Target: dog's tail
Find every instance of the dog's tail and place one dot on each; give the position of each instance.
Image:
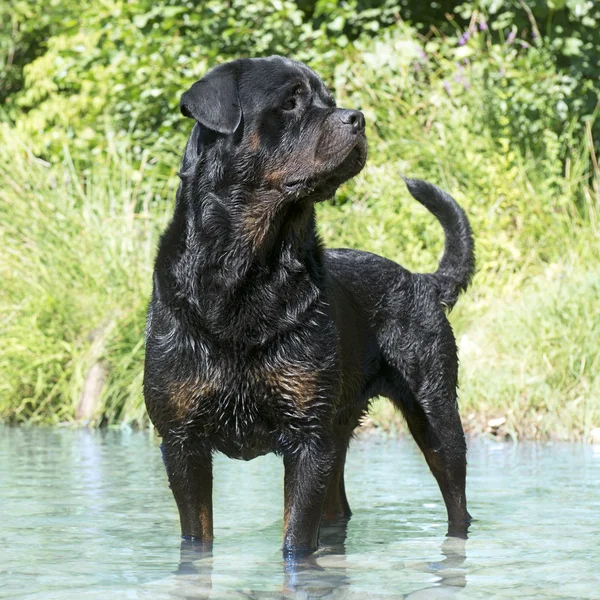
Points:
(457, 265)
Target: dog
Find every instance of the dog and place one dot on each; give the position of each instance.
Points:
(260, 340)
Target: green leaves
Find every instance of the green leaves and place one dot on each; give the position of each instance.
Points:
(493, 116)
(125, 64)
(571, 46)
(74, 71)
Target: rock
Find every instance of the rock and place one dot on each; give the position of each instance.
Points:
(90, 395)
(89, 400)
(495, 423)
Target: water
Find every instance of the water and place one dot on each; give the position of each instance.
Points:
(89, 515)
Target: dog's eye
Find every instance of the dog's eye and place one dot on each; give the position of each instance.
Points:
(289, 104)
(293, 99)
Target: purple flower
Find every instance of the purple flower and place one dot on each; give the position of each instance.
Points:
(464, 38)
(423, 53)
(482, 25)
(511, 37)
(447, 87)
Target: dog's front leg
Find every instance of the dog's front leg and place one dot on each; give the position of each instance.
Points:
(190, 479)
(307, 474)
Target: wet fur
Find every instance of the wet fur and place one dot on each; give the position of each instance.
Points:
(259, 340)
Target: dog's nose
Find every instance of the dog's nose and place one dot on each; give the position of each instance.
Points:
(354, 118)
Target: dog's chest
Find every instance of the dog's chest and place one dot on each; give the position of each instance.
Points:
(245, 409)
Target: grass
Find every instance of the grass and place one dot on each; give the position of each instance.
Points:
(75, 262)
(533, 358)
(77, 246)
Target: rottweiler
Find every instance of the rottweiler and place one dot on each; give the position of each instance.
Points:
(261, 340)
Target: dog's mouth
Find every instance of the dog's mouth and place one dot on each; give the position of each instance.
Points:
(304, 188)
(324, 184)
(295, 185)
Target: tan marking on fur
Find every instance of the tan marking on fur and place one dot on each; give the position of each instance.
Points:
(256, 226)
(257, 219)
(287, 502)
(185, 394)
(254, 141)
(261, 210)
(297, 385)
(206, 523)
(332, 505)
(275, 177)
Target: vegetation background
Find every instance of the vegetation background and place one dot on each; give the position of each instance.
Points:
(494, 100)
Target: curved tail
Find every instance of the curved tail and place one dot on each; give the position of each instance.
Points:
(457, 265)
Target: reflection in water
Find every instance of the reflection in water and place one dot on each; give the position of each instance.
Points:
(325, 574)
(90, 515)
(315, 581)
(307, 576)
(332, 536)
(194, 572)
(307, 579)
(452, 575)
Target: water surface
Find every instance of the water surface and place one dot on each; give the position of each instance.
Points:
(88, 514)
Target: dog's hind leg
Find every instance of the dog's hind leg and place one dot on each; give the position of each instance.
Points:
(442, 442)
(190, 479)
(431, 413)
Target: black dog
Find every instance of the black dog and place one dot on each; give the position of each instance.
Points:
(258, 339)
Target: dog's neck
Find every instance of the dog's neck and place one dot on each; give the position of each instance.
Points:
(243, 261)
(258, 228)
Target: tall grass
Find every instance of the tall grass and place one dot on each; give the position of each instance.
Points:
(75, 263)
(533, 356)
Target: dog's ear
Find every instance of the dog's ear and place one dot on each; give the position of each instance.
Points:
(213, 101)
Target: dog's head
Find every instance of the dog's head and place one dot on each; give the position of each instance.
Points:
(270, 125)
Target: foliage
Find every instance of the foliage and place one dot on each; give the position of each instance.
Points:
(495, 104)
(115, 68)
(123, 65)
(564, 34)
(24, 31)
(541, 365)
(75, 259)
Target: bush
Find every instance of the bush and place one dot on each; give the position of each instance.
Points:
(121, 68)
(563, 35)
(79, 72)
(476, 104)
(541, 367)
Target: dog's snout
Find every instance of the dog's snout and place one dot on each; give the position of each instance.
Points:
(354, 118)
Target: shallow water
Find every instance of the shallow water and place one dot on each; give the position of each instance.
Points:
(88, 514)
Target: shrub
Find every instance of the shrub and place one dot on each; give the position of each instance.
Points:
(75, 263)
